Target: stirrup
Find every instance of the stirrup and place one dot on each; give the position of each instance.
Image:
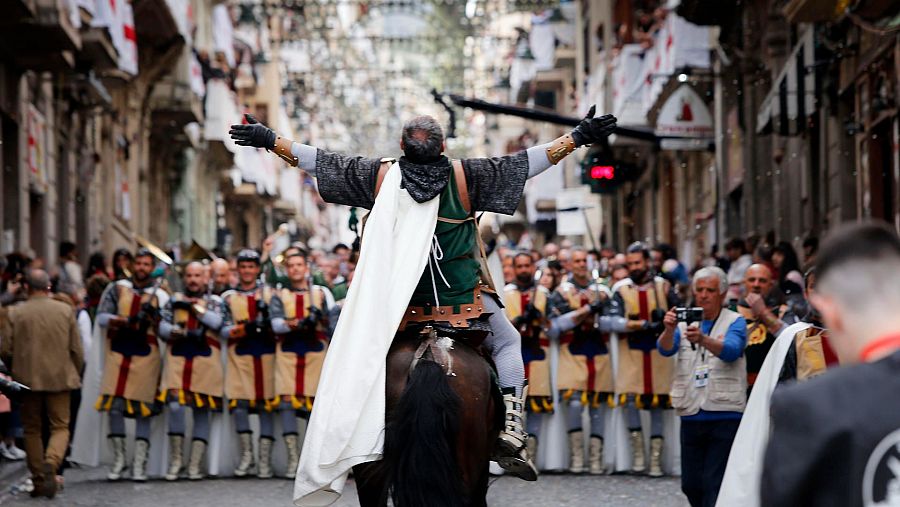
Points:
(519, 465)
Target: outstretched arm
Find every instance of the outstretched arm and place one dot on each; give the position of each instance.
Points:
(496, 184)
(341, 179)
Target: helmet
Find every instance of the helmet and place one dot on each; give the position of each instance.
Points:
(248, 255)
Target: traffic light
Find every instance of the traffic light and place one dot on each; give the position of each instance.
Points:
(602, 172)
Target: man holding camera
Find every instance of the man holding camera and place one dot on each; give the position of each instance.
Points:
(249, 383)
(299, 318)
(193, 376)
(708, 390)
(129, 311)
(644, 377)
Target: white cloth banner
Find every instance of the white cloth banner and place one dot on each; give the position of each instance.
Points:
(740, 485)
(346, 427)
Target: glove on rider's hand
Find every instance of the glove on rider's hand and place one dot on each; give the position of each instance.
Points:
(255, 134)
(592, 130)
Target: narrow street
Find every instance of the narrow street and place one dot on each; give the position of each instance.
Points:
(88, 487)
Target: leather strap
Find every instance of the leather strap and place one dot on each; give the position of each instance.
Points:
(386, 164)
(460, 175)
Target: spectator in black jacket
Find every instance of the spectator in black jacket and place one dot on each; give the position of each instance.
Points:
(836, 438)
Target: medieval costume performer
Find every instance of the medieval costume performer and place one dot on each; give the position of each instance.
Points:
(419, 253)
(585, 376)
(299, 319)
(128, 314)
(643, 376)
(526, 307)
(250, 377)
(193, 376)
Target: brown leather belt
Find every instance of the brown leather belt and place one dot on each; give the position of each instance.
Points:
(455, 315)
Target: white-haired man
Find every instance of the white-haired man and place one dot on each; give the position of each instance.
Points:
(836, 438)
(709, 386)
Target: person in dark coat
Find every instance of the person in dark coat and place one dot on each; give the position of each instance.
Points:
(836, 438)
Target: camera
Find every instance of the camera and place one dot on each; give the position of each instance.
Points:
(689, 315)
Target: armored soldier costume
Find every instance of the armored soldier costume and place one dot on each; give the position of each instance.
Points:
(193, 375)
(129, 312)
(644, 376)
(526, 307)
(585, 376)
(299, 317)
(250, 379)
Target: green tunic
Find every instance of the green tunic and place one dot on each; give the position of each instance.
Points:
(458, 264)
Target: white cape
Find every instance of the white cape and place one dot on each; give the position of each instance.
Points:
(740, 485)
(346, 427)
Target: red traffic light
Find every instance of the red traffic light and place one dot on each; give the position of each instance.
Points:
(603, 172)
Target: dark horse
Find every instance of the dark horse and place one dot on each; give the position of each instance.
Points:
(440, 428)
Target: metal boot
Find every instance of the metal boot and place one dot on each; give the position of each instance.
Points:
(118, 465)
(246, 463)
(638, 462)
(198, 449)
(264, 469)
(141, 453)
(596, 456)
(656, 445)
(293, 455)
(576, 452)
(176, 457)
(510, 451)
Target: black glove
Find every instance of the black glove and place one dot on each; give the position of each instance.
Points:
(309, 323)
(531, 313)
(654, 327)
(255, 134)
(592, 130)
(598, 306)
(657, 315)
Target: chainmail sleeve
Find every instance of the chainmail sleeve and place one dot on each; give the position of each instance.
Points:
(496, 184)
(346, 180)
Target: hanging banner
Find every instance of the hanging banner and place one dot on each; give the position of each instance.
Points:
(36, 151)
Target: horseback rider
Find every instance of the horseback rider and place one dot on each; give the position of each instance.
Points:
(454, 290)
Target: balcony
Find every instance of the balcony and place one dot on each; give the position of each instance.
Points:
(154, 23)
(45, 41)
(810, 11)
(174, 104)
(97, 50)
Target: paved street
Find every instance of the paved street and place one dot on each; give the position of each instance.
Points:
(88, 488)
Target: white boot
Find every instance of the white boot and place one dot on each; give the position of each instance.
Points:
(246, 463)
(118, 465)
(141, 453)
(176, 457)
(656, 445)
(264, 470)
(510, 451)
(576, 452)
(638, 462)
(531, 445)
(293, 455)
(198, 448)
(596, 456)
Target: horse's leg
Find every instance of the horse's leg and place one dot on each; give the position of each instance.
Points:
(369, 485)
(477, 431)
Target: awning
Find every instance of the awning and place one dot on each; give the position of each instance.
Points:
(793, 94)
